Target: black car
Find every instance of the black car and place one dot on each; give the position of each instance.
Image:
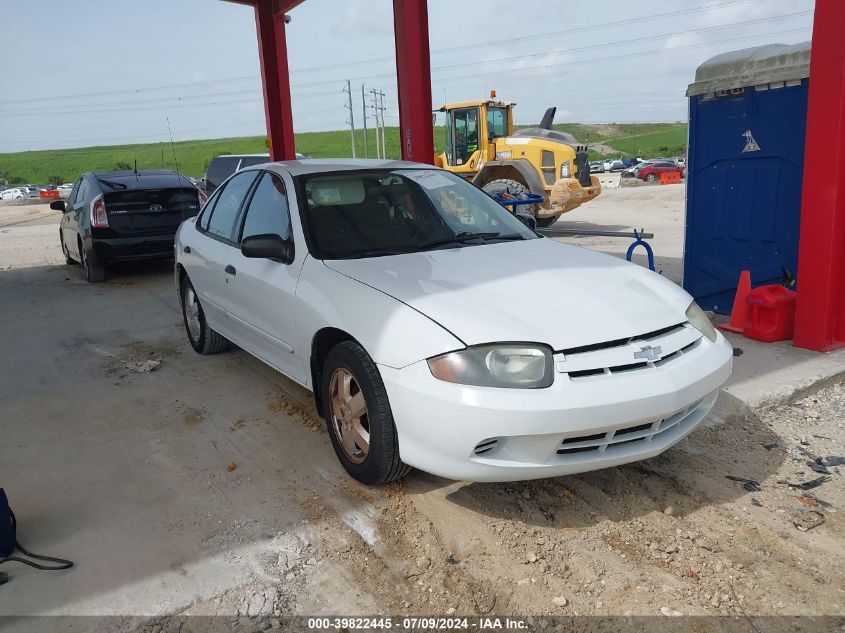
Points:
(223, 166)
(124, 215)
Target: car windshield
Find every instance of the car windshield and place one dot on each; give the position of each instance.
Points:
(353, 214)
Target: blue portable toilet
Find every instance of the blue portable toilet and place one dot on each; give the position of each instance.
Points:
(747, 120)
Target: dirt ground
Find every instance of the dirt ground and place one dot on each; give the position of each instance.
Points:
(206, 485)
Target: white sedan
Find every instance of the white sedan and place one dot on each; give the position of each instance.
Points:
(437, 330)
(13, 194)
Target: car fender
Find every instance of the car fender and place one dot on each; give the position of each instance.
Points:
(392, 333)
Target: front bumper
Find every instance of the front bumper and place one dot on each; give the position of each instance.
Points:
(576, 425)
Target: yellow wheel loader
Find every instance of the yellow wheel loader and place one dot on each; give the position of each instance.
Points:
(482, 146)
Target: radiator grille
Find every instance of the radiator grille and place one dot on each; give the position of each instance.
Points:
(614, 439)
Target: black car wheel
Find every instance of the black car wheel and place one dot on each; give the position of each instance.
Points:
(358, 416)
(93, 271)
(203, 339)
(68, 259)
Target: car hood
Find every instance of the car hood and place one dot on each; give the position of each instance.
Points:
(535, 290)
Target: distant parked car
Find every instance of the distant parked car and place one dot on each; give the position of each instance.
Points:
(65, 189)
(596, 166)
(223, 166)
(14, 193)
(124, 215)
(650, 172)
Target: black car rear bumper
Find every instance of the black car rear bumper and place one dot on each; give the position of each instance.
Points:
(159, 246)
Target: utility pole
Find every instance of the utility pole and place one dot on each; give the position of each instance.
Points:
(379, 130)
(374, 106)
(364, 114)
(348, 91)
(381, 111)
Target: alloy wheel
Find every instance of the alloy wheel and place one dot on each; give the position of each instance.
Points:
(192, 314)
(349, 415)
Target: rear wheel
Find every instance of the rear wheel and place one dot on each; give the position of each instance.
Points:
(358, 416)
(91, 268)
(203, 339)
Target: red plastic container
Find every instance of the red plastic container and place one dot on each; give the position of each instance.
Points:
(771, 314)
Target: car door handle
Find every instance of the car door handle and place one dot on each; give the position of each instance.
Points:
(230, 270)
(186, 249)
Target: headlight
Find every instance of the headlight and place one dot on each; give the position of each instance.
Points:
(700, 321)
(516, 366)
(565, 169)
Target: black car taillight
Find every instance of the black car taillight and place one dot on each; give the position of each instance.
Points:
(99, 219)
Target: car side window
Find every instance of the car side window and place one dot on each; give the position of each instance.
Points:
(74, 195)
(268, 210)
(225, 211)
(208, 208)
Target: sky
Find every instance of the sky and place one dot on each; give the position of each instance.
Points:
(107, 72)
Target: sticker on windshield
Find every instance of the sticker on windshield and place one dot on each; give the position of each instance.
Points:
(428, 179)
(326, 195)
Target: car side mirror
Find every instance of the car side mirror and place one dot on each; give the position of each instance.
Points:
(268, 246)
(528, 220)
(58, 205)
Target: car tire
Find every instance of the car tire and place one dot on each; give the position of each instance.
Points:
(91, 268)
(651, 178)
(201, 336)
(68, 259)
(354, 404)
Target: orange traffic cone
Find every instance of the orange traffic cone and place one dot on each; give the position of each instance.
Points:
(739, 314)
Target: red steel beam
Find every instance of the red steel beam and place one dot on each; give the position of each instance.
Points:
(413, 74)
(275, 79)
(820, 311)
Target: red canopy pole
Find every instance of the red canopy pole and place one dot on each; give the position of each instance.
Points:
(413, 74)
(820, 312)
(275, 80)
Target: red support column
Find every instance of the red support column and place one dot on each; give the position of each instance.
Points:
(275, 80)
(820, 313)
(413, 74)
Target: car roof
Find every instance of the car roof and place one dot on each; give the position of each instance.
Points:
(322, 165)
(143, 179)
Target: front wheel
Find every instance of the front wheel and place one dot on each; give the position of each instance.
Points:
(358, 416)
(651, 178)
(68, 259)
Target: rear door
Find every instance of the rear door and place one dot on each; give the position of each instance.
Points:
(214, 249)
(263, 292)
(149, 211)
(75, 209)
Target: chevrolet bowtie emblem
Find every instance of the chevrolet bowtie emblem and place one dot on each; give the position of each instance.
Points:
(649, 353)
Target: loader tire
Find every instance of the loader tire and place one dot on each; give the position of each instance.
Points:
(546, 222)
(513, 187)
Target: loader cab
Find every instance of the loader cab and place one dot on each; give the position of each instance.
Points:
(469, 132)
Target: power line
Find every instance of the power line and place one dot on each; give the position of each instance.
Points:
(533, 37)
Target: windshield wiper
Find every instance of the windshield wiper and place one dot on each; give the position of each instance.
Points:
(375, 253)
(465, 237)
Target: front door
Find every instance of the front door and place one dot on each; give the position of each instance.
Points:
(263, 291)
